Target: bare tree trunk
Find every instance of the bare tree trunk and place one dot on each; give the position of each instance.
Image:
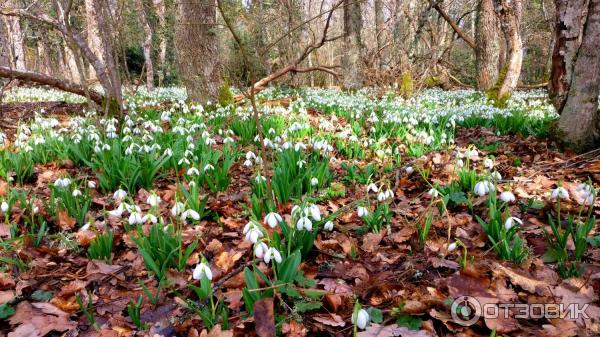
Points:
(351, 60)
(16, 42)
(488, 48)
(509, 12)
(102, 11)
(4, 44)
(580, 119)
(93, 36)
(160, 9)
(71, 63)
(570, 20)
(197, 47)
(147, 45)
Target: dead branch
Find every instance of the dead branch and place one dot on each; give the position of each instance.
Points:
(454, 26)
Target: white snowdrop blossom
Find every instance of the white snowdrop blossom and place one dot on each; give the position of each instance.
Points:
(452, 246)
(190, 213)
(62, 182)
(192, 171)
(511, 221)
(208, 167)
(409, 170)
(273, 219)
(483, 187)
(202, 269)
(4, 207)
(372, 188)
(153, 200)
(361, 319)
(252, 232)
(560, 192)
(177, 209)
(315, 212)
(260, 249)
(328, 226)
(385, 195)
(76, 193)
(119, 194)
(304, 223)
(91, 184)
(434, 193)
(496, 176)
(362, 211)
(272, 254)
(507, 196)
(314, 181)
(488, 163)
(135, 218)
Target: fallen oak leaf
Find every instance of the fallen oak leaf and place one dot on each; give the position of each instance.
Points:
(393, 330)
(331, 320)
(264, 318)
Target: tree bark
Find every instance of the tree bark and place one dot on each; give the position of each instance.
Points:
(509, 13)
(160, 9)
(379, 28)
(93, 36)
(147, 45)
(351, 59)
(4, 44)
(16, 42)
(197, 47)
(570, 20)
(487, 53)
(580, 119)
(25, 75)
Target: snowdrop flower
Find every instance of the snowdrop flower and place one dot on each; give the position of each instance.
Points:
(192, 171)
(590, 199)
(119, 194)
(510, 222)
(151, 217)
(304, 222)
(208, 167)
(153, 200)
(117, 212)
(91, 184)
(4, 207)
(434, 193)
(372, 187)
(507, 197)
(248, 163)
(273, 219)
(315, 212)
(460, 163)
(177, 208)
(260, 249)
(584, 190)
(488, 163)
(452, 246)
(76, 193)
(328, 226)
(560, 192)
(409, 170)
(361, 319)
(362, 211)
(483, 187)
(384, 195)
(496, 176)
(202, 269)
(135, 218)
(64, 182)
(252, 232)
(314, 181)
(272, 254)
(190, 213)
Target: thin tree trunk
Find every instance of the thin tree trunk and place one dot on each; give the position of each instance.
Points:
(147, 45)
(160, 9)
(197, 46)
(16, 42)
(71, 64)
(580, 119)
(93, 36)
(488, 48)
(351, 59)
(509, 12)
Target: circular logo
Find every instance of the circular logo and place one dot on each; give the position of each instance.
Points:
(466, 310)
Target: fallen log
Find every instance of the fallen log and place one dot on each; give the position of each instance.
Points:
(32, 76)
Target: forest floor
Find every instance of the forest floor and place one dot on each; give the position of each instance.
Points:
(49, 285)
